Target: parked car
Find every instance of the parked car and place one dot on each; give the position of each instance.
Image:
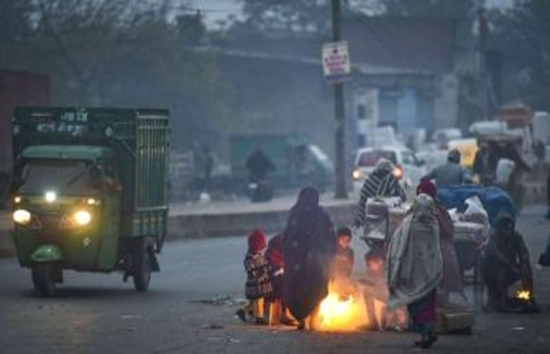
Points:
(408, 169)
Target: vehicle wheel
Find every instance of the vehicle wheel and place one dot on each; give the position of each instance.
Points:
(142, 265)
(43, 279)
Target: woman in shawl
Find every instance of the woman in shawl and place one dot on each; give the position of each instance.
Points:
(415, 268)
(309, 246)
(452, 278)
(380, 183)
(506, 262)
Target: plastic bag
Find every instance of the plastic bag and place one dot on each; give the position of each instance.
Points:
(475, 212)
(376, 219)
(376, 227)
(505, 168)
(454, 214)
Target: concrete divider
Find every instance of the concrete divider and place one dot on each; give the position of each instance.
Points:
(233, 224)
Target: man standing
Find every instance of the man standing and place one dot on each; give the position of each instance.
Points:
(481, 164)
(380, 183)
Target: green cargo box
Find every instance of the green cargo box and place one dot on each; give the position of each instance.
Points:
(139, 139)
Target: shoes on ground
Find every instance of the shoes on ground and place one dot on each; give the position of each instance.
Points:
(426, 341)
(261, 321)
(241, 314)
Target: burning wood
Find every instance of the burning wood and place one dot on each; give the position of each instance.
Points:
(523, 302)
(523, 295)
(343, 309)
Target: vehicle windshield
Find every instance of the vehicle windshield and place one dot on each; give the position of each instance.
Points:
(370, 158)
(321, 156)
(67, 177)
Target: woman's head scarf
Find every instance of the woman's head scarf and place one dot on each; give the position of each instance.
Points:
(428, 188)
(384, 165)
(308, 199)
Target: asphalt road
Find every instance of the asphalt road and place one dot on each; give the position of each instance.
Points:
(190, 307)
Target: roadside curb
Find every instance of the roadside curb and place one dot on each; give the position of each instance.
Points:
(221, 225)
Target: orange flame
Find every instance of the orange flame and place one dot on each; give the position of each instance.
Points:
(343, 309)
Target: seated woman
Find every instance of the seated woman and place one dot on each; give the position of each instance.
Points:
(506, 262)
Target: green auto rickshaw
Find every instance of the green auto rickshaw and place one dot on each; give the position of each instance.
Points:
(90, 191)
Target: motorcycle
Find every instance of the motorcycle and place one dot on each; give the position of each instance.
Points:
(260, 190)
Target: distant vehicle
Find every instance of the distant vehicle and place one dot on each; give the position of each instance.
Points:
(408, 169)
(382, 136)
(296, 161)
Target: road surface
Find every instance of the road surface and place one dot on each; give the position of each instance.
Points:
(190, 309)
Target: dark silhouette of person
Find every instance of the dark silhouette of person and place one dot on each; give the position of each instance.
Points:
(207, 166)
(506, 262)
(481, 164)
(259, 166)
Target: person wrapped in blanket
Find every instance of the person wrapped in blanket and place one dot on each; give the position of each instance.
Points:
(452, 277)
(380, 183)
(415, 268)
(309, 247)
(258, 284)
(506, 262)
(277, 312)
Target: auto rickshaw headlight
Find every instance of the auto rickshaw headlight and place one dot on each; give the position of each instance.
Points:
(82, 217)
(50, 197)
(22, 217)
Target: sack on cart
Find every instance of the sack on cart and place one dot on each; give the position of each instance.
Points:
(376, 220)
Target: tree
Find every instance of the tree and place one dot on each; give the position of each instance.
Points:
(313, 16)
(522, 35)
(14, 29)
(119, 53)
(428, 8)
(287, 15)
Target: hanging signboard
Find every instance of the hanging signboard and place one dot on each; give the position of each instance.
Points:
(336, 66)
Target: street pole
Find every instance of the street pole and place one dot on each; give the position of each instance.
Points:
(340, 191)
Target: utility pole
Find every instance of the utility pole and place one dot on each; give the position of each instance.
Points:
(340, 191)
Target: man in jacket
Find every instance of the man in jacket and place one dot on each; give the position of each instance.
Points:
(448, 174)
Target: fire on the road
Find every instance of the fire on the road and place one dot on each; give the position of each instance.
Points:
(343, 309)
(523, 295)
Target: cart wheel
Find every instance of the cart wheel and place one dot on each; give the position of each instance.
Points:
(43, 279)
(142, 265)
